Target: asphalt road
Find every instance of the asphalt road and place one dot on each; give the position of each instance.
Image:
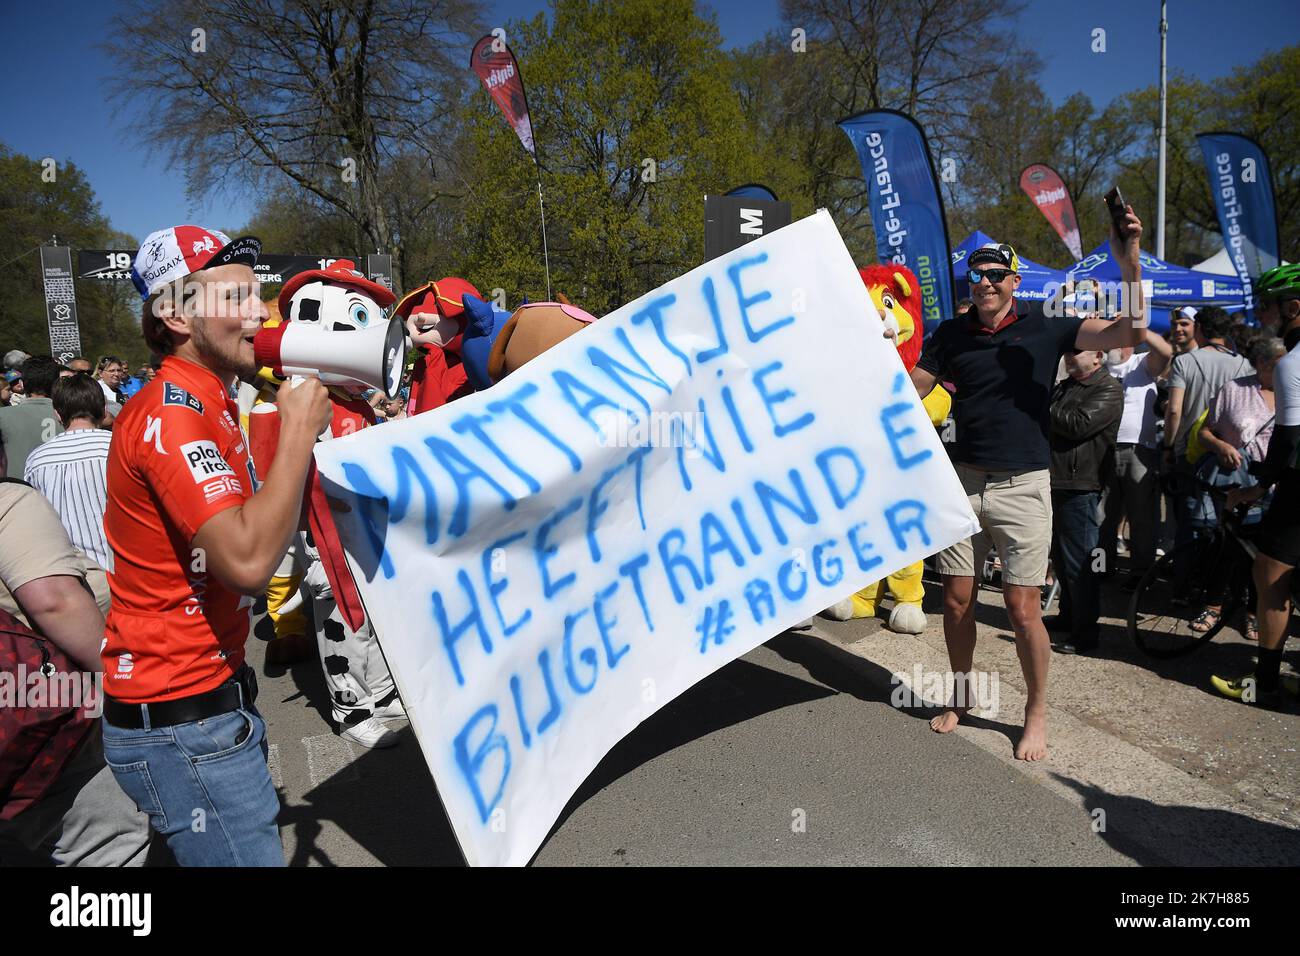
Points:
(791, 755)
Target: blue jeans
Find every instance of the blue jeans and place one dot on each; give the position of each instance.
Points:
(1074, 540)
(205, 786)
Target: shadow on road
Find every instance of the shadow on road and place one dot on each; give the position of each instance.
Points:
(1150, 834)
(738, 692)
(859, 677)
(387, 803)
(1153, 834)
(306, 675)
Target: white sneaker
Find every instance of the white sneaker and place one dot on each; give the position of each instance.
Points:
(840, 610)
(907, 619)
(393, 710)
(370, 733)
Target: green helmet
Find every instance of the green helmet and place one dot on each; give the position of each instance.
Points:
(1282, 282)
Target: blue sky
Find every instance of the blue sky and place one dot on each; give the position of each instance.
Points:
(53, 102)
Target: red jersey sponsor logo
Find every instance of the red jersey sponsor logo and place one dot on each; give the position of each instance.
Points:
(173, 630)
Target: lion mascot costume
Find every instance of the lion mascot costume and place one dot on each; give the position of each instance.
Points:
(897, 297)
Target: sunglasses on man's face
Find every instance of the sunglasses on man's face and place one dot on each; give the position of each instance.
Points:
(993, 275)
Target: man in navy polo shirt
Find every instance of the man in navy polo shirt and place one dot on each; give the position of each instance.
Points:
(1002, 354)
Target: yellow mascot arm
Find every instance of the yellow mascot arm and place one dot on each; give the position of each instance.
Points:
(279, 590)
(938, 404)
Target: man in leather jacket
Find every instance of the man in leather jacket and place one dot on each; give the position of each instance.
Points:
(1086, 410)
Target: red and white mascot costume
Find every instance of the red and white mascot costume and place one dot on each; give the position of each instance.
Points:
(334, 301)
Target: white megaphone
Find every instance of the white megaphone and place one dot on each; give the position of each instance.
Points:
(373, 357)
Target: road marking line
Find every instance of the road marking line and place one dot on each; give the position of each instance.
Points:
(273, 764)
(329, 758)
(933, 847)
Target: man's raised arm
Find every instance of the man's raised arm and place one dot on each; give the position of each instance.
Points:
(1102, 335)
(1160, 353)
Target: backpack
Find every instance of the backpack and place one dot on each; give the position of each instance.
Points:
(36, 742)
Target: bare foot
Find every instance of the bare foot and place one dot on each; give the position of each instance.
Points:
(947, 722)
(1033, 742)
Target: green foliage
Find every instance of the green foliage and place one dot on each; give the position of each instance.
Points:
(321, 96)
(33, 211)
(638, 113)
(1016, 126)
(635, 120)
(932, 59)
(977, 97)
(1262, 101)
(612, 85)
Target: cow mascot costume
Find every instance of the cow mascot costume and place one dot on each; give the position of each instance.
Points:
(897, 297)
(335, 329)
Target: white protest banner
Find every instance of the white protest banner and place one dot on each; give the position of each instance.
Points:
(550, 561)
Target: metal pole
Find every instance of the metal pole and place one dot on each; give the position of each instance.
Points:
(546, 255)
(1164, 97)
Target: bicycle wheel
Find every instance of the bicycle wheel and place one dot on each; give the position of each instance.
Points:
(1155, 623)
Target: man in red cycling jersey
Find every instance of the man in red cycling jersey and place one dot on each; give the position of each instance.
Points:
(193, 544)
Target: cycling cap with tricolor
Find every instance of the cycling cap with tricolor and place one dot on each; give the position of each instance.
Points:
(173, 253)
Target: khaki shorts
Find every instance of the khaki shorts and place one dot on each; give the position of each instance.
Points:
(1014, 509)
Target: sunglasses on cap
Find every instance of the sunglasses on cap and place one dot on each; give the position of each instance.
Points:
(993, 275)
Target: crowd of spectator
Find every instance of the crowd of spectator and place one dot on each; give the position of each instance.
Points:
(1195, 411)
(1152, 443)
(1192, 417)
